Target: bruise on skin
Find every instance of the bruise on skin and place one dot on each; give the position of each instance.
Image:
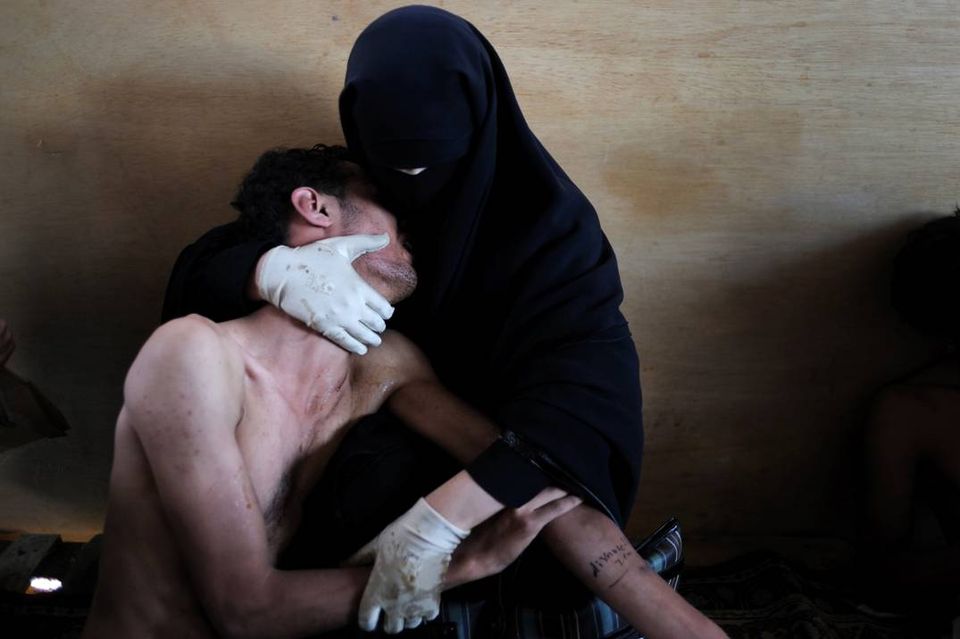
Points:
(617, 555)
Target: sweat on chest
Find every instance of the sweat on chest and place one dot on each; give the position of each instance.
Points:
(273, 436)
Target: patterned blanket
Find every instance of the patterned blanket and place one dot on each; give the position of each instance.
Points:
(757, 596)
(763, 596)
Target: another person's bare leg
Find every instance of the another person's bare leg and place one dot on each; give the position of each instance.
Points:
(911, 428)
(891, 457)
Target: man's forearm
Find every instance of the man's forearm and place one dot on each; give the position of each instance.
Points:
(585, 541)
(307, 602)
(463, 502)
(595, 550)
(442, 418)
(438, 415)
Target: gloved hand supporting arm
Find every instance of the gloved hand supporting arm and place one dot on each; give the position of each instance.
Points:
(412, 557)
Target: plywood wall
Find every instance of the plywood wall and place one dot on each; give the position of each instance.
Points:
(754, 164)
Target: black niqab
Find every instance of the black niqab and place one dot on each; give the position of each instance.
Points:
(518, 307)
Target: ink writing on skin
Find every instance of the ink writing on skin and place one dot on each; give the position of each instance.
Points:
(617, 555)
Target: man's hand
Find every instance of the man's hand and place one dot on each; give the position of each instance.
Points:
(493, 546)
(316, 284)
(7, 344)
(496, 543)
(411, 558)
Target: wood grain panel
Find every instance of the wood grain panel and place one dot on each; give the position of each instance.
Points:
(754, 163)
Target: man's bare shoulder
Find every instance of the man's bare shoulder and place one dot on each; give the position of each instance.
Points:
(396, 360)
(186, 362)
(388, 367)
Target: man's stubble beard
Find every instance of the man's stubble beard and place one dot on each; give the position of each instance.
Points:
(400, 277)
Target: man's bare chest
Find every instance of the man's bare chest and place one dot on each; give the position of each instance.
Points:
(285, 450)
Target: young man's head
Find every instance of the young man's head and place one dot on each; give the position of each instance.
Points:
(926, 275)
(298, 196)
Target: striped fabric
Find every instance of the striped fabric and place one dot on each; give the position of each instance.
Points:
(663, 550)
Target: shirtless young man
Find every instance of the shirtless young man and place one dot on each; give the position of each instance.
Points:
(224, 427)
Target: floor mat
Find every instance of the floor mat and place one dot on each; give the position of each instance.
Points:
(756, 596)
(764, 596)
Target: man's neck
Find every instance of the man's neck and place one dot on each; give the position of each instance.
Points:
(296, 356)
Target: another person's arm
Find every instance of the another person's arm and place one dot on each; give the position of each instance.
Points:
(7, 345)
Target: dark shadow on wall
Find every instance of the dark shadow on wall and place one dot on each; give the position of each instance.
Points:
(754, 406)
(146, 167)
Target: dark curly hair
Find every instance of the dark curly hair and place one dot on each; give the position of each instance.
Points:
(263, 198)
(926, 278)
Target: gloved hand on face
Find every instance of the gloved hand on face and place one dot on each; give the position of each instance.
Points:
(316, 284)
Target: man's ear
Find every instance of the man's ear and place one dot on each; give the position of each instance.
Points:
(312, 206)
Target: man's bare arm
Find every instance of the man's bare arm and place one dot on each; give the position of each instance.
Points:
(588, 543)
(183, 397)
(399, 364)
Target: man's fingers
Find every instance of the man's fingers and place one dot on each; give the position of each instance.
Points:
(370, 319)
(542, 498)
(393, 624)
(353, 246)
(547, 513)
(412, 622)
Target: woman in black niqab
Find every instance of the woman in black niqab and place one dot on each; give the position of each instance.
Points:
(518, 305)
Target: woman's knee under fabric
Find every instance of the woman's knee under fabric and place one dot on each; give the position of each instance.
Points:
(380, 469)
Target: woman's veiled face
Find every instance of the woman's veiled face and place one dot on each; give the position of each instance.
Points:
(408, 191)
(414, 100)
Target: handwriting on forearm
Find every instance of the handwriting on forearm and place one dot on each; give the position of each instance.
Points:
(617, 555)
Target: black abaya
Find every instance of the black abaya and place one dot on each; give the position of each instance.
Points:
(518, 307)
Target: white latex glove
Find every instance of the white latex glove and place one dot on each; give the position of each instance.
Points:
(316, 284)
(411, 557)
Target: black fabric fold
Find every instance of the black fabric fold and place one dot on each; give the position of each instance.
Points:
(211, 276)
(508, 475)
